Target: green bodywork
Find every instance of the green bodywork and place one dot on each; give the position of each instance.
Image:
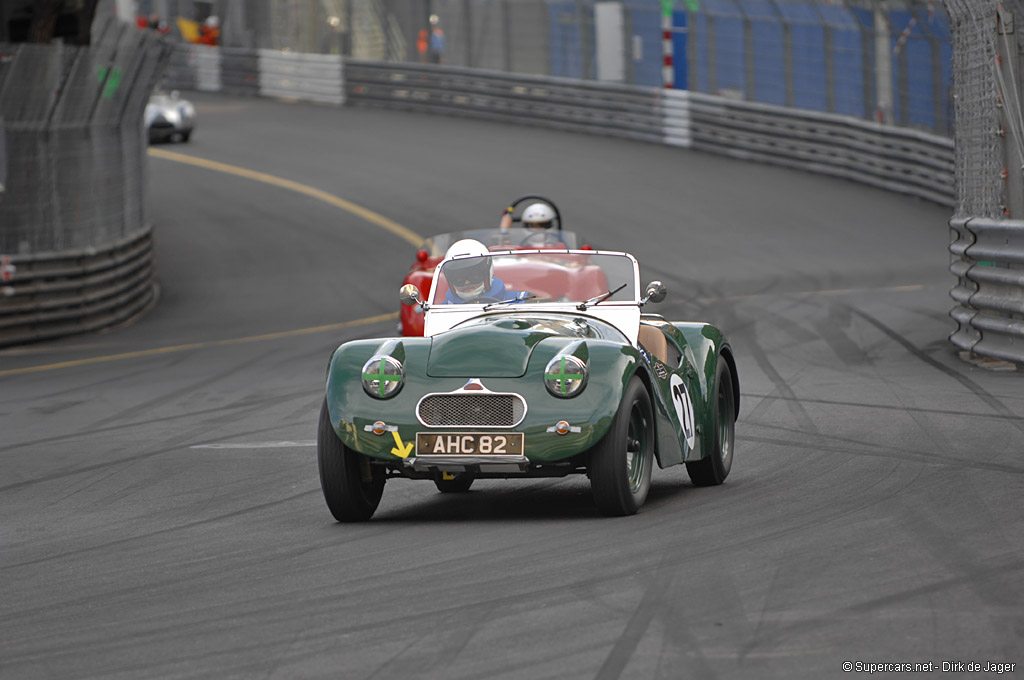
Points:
(509, 354)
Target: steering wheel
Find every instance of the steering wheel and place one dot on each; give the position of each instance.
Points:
(544, 237)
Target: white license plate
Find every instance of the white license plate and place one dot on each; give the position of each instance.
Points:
(469, 444)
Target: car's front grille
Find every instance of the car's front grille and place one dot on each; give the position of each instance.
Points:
(471, 410)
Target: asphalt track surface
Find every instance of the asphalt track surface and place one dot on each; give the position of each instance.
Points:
(160, 504)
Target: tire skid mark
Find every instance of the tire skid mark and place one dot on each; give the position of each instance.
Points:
(831, 329)
(890, 453)
(177, 443)
(958, 559)
(186, 390)
(885, 407)
(159, 532)
(873, 606)
(782, 387)
(247, 408)
(440, 645)
(976, 389)
(651, 604)
(243, 404)
(178, 579)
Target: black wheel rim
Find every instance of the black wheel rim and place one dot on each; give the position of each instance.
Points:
(636, 448)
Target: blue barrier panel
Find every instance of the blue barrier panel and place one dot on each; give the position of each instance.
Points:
(729, 58)
(807, 38)
(866, 20)
(680, 54)
(702, 67)
(938, 26)
(567, 58)
(645, 18)
(913, 100)
(847, 76)
(766, 35)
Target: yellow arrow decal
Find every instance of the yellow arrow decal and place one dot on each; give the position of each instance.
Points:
(401, 450)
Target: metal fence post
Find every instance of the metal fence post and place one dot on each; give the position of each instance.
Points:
(3, 160)
(787, 58)
(883, 67)
(749, 78)
(1009, 60)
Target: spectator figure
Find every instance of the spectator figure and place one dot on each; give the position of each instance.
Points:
(436, 40)
(423, 44)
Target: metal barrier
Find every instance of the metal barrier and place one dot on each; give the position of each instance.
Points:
(559, 103)
(897, 159)
(49, 295)
(312, 77)
(989, 266)
(892, 158)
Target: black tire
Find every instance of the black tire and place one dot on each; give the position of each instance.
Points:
(352, 487)
(461, 483)
(185, 136)
(713, 469)
(620, 464)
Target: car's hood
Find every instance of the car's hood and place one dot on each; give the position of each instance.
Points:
(499, 346)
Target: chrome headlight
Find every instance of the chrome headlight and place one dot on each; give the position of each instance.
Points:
(565, 376)
(383, 376)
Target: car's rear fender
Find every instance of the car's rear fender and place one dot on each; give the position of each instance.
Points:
(709, 346)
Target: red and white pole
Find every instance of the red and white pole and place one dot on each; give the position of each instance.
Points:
(667, 67)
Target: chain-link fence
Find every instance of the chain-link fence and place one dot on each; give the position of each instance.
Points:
(987, 230)
(75, 144)
(888, 61)
(75, 249)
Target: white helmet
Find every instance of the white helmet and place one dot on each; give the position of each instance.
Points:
(470, 274)
(538, 216)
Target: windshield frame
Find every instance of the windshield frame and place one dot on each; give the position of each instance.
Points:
(624, 315)
(503, 257)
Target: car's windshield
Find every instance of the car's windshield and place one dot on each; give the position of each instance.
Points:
(516, 237)
(523, 277)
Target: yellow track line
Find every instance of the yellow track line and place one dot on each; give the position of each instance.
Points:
(198, 345)
(357, 210)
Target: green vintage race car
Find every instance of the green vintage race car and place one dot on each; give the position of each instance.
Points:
(534, 363)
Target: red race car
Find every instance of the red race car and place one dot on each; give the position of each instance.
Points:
(536, 226)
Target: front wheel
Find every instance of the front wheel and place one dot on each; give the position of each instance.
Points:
(714, 468)
(352, 487)
(620, 464)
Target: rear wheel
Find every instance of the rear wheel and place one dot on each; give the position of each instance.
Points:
(713, 469)
(620, 464)
(459, 483)
(352, 486)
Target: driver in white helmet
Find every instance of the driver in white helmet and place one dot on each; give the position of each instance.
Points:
(536, 216)
(471, 276)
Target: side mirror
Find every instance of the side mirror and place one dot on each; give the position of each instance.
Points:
(409, 294)
(655, 292)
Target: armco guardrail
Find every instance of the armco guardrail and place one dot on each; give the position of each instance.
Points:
(892, 158)
(75, 249)
(311, 77)
(988, 261)
(560, 103)
(49, 295)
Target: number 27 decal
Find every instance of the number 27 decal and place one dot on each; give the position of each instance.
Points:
(684, 408)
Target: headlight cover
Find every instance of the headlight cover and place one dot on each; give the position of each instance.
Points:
(383, 376)
(565, 376)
